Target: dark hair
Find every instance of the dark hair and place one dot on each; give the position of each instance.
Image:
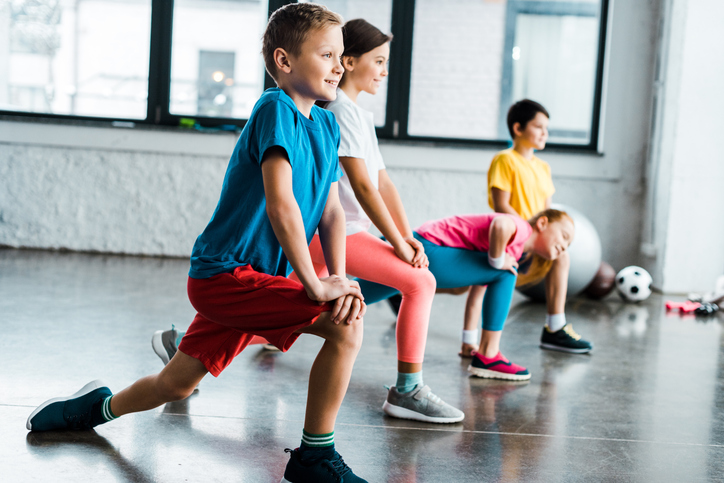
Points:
(290, 25)
(523, 112)
(360, 37)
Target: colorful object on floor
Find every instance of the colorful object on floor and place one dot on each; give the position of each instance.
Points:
(584, 253)
(633, 284)
(706, 309)
(603, 282)
(683, 307)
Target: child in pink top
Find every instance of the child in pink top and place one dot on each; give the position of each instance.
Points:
(486, 250)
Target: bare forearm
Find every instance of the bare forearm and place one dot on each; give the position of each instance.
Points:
(332, 236)
(394, 205)
(374, 206)
(505, 208)
(286, 220)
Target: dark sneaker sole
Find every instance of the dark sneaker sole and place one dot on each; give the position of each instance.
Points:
(559, 348)
(404, 413)
(488, 374)
(90, 387)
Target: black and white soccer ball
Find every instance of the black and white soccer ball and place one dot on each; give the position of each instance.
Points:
(633, 284)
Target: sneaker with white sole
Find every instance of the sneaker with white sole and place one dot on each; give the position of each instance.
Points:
(564, 340)
(72, 412)
(420, 404)
(497, 367)
(164, 344)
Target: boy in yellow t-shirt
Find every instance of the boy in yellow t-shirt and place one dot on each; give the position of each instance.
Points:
(520, 183)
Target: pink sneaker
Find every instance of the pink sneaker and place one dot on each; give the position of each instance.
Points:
(497, 367)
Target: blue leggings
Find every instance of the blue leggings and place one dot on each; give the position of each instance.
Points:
(458, 267)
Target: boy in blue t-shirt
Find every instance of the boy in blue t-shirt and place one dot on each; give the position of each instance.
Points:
(280, 186)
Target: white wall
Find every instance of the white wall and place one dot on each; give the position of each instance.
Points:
(152, 191)
(683, 224)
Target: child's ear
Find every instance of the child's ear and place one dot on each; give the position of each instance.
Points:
(517, 129)
(282, 61)
(348, 62)
(542, 223)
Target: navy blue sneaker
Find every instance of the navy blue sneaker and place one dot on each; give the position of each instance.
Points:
(72, 412)
(564, 340)
(318, 471)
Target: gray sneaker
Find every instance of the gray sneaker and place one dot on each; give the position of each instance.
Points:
(420, 404)
(164, 344)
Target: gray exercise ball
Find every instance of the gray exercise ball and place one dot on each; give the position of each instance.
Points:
(584, 252)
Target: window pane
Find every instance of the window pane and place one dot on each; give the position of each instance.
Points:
(85, 58)
(217, 68)
(472, 59)
(554, 62)
(379, 14)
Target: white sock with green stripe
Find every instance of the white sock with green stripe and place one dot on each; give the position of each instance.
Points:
(316, 443)
(106, 410)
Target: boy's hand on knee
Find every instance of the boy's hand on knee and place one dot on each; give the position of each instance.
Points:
(348, 309)
(334, 287)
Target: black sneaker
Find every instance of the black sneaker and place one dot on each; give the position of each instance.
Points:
(318, 471)
(564, 340)
(72, 412)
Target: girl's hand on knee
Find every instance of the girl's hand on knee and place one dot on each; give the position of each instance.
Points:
(511, 264)
(419, 260)
(405, 252)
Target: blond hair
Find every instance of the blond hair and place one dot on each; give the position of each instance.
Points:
(290, 25)
(539, 266)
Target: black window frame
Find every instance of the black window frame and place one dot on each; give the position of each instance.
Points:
(399, 80)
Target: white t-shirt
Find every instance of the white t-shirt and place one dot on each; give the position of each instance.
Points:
(357, 140)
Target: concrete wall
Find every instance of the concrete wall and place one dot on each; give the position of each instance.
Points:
(683, 225)
(151, 191)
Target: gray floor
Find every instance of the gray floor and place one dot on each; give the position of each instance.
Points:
(645, 406)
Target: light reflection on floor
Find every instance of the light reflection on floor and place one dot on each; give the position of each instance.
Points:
(645, 406)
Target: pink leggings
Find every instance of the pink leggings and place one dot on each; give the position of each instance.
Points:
(370, 258)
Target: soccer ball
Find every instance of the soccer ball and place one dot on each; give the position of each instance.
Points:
(633, 284)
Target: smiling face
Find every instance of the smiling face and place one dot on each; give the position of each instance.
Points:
(553, 238)
(367, 71)
(535, 133)
(314, 73)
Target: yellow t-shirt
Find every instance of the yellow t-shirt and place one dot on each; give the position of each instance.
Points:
(528, 182)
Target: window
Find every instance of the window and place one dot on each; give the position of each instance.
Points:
(472, 59)
(216, 66)
(379, 14)
(85, 58)
(455, 66)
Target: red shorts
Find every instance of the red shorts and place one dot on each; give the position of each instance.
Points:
(234, 307)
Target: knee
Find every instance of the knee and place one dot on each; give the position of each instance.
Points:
(424, 283)
(349, 336)
(170, 391)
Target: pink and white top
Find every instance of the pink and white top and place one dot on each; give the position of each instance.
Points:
(471, 232)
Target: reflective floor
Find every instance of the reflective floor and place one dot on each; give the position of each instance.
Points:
(647, 405)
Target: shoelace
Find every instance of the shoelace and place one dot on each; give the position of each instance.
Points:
(434, 398)
(569, 330)
(339, 465)
(80, 421)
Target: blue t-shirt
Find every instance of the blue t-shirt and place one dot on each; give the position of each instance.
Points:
(240, 232)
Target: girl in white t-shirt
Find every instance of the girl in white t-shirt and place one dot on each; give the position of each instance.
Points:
(369, 196)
